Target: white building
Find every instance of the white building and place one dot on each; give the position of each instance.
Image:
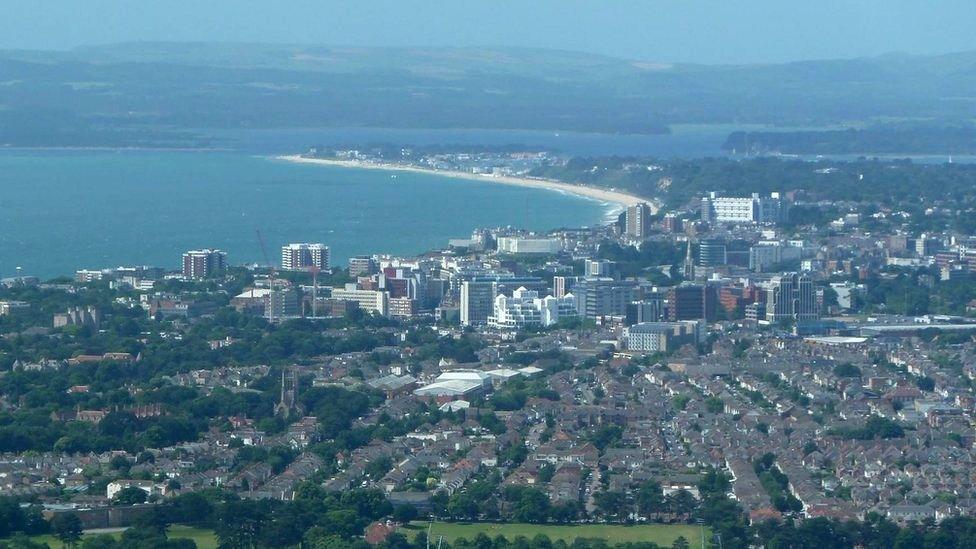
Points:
(457, 383)
(769, 253)
(301, 256)
(525, 308)
(147, 486)
(520, 245)
(653, 337)
(751, 209)
(369, 300)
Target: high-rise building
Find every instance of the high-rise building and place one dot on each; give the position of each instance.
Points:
(477, 302)
(562, 285)
(599, 268)
(649, 309)
(753, 209)
(671, 223)
(283, 303)
(638, 220)
(206, 263)
(791, 296)
(362, 266)
(712, 252)
(301, 256)
(602, 297)
(686, 302)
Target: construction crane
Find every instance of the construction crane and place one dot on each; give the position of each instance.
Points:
(271, 283)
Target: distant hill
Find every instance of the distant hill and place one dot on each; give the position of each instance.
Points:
(145, 92)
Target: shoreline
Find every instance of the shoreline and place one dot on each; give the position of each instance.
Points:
(619, 200)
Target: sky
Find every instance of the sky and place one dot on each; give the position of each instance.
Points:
(697, 31)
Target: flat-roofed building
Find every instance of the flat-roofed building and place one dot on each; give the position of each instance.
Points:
(304, 255)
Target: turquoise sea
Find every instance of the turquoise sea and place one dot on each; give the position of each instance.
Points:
(66, 210)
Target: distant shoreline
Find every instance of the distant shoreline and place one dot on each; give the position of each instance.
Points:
(619, 199)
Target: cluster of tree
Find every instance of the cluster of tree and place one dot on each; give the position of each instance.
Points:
(15, 518)
(644, 260)
(875, 427)
(895, 183)
(776, 484)
(879, 139)
(514, 394)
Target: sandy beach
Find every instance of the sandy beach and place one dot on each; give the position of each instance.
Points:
(618, 199)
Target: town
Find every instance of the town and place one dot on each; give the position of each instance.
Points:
(721, 362)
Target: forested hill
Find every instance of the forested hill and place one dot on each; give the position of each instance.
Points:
(882, 139)
(145, 93)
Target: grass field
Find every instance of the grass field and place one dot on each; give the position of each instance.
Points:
(661, 534)
(204, 538)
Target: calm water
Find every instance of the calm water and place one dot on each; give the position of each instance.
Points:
(65, 210)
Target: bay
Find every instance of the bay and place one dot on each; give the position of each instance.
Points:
(62, 210)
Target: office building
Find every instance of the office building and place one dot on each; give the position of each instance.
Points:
(712, 252)
(661, 337)
(525, 309)
(638, 220)
(374, 301)
(302, 256)
(650, 309)
(477, 302)
(199, 264)
(283, 303)
(791, 296)
(403, 307)
(686, 302)
(603, 297)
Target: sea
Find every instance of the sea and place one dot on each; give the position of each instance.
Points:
(66, 210)
(63, 210)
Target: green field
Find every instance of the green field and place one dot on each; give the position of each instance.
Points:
(204, 538)
(661, 534)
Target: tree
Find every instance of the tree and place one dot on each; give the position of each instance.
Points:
(404, 513)
(129, 496)
(680, 543)
(67, 528)
(714, 405)
(650, 498)
(612, 505)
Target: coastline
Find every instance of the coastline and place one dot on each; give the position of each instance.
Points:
(620, 200)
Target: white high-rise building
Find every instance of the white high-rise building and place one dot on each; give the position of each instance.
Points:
(301, 256)
(752, 209)
(638, 220)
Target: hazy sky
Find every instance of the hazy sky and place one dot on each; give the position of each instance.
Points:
(704, 31)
